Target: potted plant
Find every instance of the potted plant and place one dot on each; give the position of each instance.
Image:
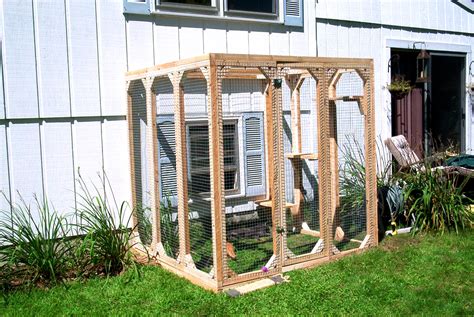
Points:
(399, 87)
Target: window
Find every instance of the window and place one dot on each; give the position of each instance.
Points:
(253, 6)
(198, 137)
(193, 2)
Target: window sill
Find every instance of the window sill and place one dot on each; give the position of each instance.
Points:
(273, 19)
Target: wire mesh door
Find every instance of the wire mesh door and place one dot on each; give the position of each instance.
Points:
(302, 218)
(251, 241)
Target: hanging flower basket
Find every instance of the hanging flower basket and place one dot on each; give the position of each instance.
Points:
(399, 88)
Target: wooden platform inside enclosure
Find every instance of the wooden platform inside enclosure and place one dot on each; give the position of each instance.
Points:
(288, 239)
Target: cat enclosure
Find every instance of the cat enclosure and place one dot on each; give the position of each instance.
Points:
(247, 166)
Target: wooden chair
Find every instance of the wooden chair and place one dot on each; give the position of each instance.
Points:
(403, 153)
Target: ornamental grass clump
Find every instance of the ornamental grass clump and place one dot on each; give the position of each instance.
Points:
(436, 201)
(31, 246)
(107, 227)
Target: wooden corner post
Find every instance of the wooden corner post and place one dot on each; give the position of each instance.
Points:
(216, 163)
(131, 147)
(152, 160)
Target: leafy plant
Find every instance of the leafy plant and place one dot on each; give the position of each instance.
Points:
(399, 86)
(144, 223)
(169, 228)
(436, 201)
(108, 237)
(31, 245)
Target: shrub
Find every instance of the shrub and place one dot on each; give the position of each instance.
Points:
(436, 201)
(107, 228)
(31, 246)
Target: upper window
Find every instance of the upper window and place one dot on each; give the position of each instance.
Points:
(194, 2)
(253, 6)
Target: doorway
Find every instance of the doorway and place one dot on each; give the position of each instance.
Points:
(432, 115)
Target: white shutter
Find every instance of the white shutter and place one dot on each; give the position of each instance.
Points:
(167, 160)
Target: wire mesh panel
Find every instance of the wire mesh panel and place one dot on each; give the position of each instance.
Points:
(198, 170)
(349, 223)
(301, 186)
(140, 153)
(167, 179)
(249, 242)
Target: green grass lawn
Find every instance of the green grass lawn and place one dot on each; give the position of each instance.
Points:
(426, 275)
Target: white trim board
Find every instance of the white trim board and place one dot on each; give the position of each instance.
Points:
(430, 46)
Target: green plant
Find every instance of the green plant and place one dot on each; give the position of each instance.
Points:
(31, 246)
(107, 227)
(436, 201)
(169, 228)
(399, 85)
(144, 223)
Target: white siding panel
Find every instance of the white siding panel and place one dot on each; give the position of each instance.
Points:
(140, 43)
(279, 40)
(116, 159)
(343, 41)
(19, 59)
(4, 179)
(58, 165)
(215, 37)
(190, 39)
(166, 32)
(259, 40)
(26, 177)
(299, 44)
(112, 56)
(331, 40)
(2, 97)
(237, 38)
(88, 150)
(321, 39)
(84, 72)
(52, 58)
(355, 42)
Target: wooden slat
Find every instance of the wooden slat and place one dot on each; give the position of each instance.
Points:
(302, 156)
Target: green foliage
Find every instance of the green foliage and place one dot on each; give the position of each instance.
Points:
(144, 224)
(400, 86)
(169, 228)
(423, 275)
(106, 225)
(436, 201)
(31, 248)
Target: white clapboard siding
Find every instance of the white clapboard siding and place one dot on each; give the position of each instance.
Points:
(166, 40)
(116, 159)
(190, 38)
(4, 178)
(279, 40)
(84, 67)
(237, 38)
(259, 39)
(2, 97)
(140, 42)
(19, 55)
(58, 165)
(299, 44)
(87, 140)
(51, 52)
(112, 57)
(25, 157)
(215, 37)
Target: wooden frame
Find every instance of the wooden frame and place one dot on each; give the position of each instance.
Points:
(271, 70)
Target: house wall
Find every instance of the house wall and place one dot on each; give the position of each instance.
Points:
(63, 103)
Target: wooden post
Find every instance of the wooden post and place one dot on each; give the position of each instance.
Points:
(295, 82)
(152, 159)
(216, 164)
(324, 157)
(371, 157)
(181, 168)
(131, 147)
